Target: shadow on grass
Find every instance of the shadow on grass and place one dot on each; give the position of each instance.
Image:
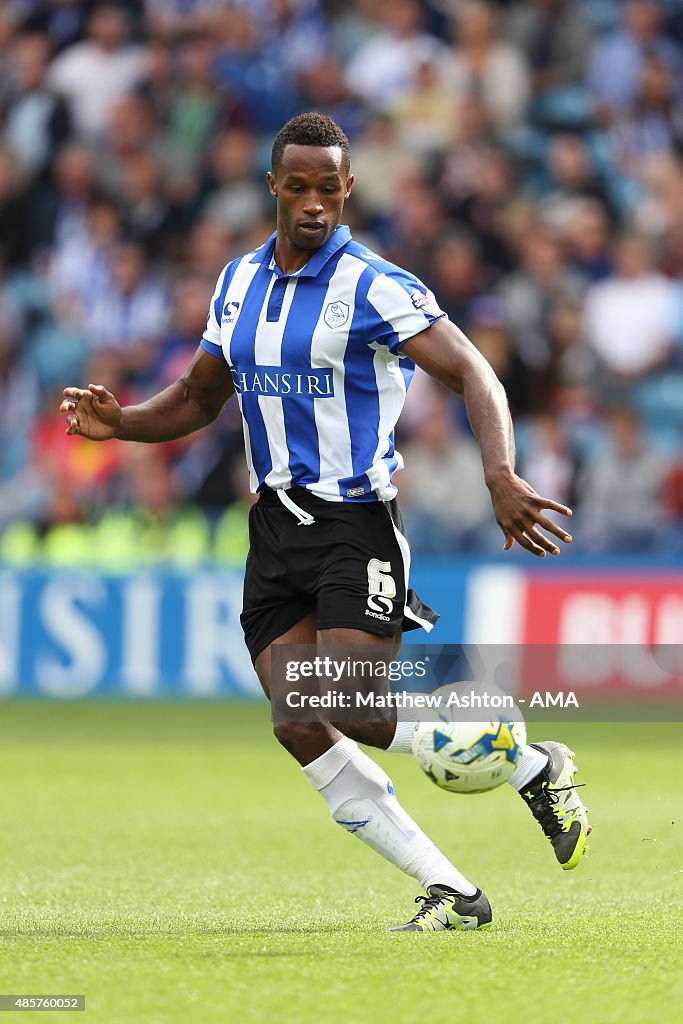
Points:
(120, 931)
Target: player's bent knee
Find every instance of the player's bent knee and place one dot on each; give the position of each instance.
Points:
(378, 733)
(302, 739)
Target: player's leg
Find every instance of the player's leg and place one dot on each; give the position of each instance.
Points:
(361, 799)
(375, 727)
(304, 738)
(544, 778)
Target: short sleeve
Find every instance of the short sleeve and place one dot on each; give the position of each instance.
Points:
(211, 339)
(398, 306)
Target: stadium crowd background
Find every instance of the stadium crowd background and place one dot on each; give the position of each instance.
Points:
(525, 159)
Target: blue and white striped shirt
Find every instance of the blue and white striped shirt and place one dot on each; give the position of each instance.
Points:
(316, 360)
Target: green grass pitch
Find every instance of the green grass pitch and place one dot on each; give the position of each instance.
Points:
(171, 863)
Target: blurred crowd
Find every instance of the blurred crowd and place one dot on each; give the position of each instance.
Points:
(524, 158)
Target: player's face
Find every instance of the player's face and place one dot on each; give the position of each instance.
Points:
(311, 185)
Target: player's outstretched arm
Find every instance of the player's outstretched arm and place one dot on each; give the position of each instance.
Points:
(190, 403)
(444, 352)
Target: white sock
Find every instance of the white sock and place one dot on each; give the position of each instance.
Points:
(361, 798)
(529, 764)
(402, 741)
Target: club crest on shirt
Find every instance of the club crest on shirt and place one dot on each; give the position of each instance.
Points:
(337, 313)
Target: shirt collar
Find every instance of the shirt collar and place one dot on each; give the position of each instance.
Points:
(337, 240)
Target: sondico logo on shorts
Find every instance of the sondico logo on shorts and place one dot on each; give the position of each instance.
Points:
(381, 590)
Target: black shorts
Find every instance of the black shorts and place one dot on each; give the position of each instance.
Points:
(351, 565)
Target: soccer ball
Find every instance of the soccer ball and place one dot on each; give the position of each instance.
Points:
(468, 757)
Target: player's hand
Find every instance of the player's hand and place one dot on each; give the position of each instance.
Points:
(92, 413)
(519, 513)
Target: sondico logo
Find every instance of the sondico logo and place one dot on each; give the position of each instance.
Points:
(378, 606)
(381, 590)
(230, 312)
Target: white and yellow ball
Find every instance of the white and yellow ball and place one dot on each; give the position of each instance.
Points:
(464, 756)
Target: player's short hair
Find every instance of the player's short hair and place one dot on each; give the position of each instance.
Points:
(310, 129)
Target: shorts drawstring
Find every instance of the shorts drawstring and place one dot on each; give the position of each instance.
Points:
(305, 519)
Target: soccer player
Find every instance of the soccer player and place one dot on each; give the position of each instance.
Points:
(318, 338)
